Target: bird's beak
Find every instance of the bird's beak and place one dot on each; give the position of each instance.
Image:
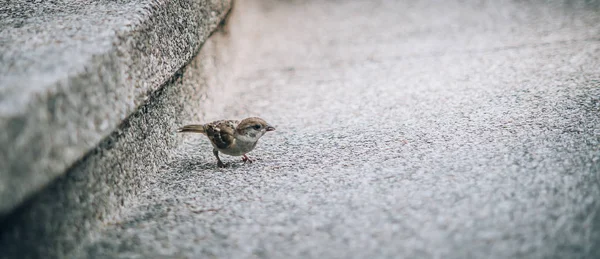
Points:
(270, 128)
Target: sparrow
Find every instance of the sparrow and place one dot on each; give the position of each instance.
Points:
(232, 137)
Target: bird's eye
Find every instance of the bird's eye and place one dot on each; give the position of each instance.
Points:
(257, 126)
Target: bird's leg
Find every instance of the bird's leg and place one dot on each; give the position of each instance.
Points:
(219, 163)
(245, 158)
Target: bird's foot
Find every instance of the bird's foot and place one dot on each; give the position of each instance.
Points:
(221, 164)
(245, 158)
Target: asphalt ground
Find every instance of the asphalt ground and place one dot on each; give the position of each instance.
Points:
(421, 129)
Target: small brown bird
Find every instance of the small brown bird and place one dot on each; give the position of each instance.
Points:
(232, 137)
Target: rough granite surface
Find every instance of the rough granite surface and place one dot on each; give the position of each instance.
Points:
(71, 71)
(54, 223)
(406, 129)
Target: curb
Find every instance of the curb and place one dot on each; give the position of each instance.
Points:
(56, 214)
(72, 74)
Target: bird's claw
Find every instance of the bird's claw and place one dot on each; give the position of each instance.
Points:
(221, 164)
(245, 158)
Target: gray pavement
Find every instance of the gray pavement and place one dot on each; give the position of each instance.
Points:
(424, 129)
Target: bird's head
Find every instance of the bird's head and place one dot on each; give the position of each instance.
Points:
(251, 129)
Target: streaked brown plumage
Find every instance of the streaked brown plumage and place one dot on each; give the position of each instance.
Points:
(232, 137)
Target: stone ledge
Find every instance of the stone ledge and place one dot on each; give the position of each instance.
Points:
(71, 73)
(58, 220)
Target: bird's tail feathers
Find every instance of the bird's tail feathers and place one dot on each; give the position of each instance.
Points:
(195, 128)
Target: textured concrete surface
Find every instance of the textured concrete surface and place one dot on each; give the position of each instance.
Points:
(111, 177)
(406, 129)
(53, 222)
(72, 71)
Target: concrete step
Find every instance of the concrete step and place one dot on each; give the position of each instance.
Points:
(72, 72)
(89, 93)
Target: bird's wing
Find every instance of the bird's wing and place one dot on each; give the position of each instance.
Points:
(222, 133)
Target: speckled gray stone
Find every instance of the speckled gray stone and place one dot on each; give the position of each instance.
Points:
(71, 71)
(406, 129)
(55, 222)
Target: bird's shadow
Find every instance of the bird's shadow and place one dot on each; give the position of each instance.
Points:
(180, 165)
